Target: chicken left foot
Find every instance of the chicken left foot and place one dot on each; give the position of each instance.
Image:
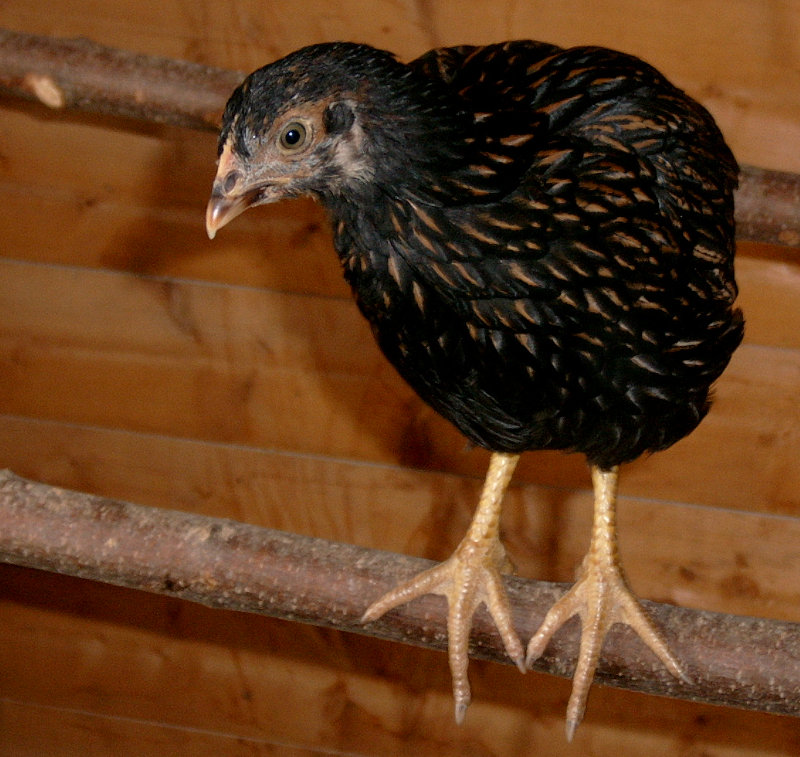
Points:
(601, 597)
(469, 577)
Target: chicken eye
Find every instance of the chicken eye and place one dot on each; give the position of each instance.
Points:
(293, 136)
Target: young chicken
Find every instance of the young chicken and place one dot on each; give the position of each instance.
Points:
(542, 240)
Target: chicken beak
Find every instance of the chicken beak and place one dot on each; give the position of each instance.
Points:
(228, 196)
(222, 210)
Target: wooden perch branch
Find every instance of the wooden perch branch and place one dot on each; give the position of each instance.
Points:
(768, 207)
(83, 75)
(738, 661)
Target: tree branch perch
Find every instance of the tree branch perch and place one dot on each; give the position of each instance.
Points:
(83, 75)
(737, 661)
(78, 74)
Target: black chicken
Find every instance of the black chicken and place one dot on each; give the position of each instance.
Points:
(542, 240)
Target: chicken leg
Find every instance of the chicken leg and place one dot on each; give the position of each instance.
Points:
(601, 597)
(471, 576)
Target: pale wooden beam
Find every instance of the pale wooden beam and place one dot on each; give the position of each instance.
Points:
(737, 661)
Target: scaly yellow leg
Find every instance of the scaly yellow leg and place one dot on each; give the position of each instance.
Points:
(601, 597)
(470, 576)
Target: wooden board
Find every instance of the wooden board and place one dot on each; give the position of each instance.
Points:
(253, 366)
(118, 670)
(718, 559)
(738, 57)
(235, 378)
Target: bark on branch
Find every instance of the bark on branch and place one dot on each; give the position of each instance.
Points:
(743, 662)
(84, 75)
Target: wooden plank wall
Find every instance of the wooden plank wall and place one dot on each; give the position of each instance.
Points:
(140, 361)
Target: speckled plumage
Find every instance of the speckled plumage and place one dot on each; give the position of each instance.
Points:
(544, 246)
(542, 240)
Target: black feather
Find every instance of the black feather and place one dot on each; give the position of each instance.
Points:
(545, 246)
